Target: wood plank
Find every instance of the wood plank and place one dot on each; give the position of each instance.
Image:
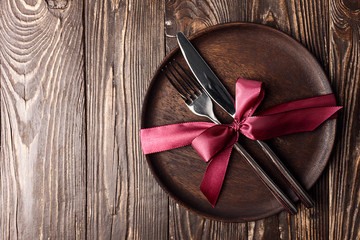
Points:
(124, 43)
(193, 16)
(345, 76)
(276, 15)
(187, 225)
(42, 164)
(190, 17)
(306, 21)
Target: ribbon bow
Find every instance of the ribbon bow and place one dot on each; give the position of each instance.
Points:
(215, 142)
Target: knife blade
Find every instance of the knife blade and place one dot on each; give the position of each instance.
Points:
(205, 76)
(218, 93)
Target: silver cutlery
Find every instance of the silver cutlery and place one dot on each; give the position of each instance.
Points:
(200, 104)
(218, 93)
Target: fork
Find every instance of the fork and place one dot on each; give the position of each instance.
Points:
(200, 104)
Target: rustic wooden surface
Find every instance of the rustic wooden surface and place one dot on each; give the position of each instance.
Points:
(73, 76)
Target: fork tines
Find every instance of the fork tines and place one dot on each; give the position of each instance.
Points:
(182, 81)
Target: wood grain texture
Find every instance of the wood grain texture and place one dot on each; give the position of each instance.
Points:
(58, 4)
(344, 218)
(122, 49)
(72, 81)
(193, 16)
(42, 164)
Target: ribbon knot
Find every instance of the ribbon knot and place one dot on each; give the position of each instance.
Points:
(236, 125)
(214, 142)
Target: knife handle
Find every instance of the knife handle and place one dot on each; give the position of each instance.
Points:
(275, 190)
(295, 185)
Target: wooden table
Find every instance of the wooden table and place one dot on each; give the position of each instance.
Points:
(73, 78)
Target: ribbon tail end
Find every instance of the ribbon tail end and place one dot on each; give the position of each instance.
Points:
(212, 199)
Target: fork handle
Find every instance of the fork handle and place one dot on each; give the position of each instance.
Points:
(269, 183)
(295, 185)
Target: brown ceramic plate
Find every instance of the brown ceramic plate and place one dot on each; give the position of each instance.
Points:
(289, 72)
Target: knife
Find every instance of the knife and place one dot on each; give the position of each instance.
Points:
(218, 93)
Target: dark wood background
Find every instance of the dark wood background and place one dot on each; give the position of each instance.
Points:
(73, 78)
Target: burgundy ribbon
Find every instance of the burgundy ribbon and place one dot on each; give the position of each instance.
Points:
(215, 142)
